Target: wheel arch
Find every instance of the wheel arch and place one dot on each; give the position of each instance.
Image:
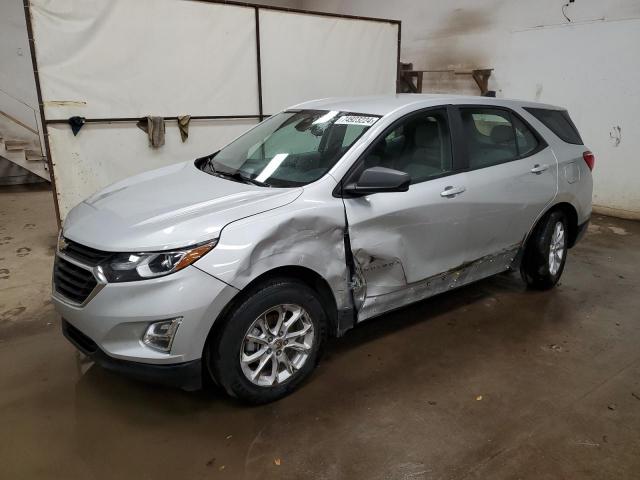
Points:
(571, 213)
(305, 275)
(572, 223)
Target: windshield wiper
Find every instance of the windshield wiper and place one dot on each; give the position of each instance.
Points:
(208, 165)
(238, 177)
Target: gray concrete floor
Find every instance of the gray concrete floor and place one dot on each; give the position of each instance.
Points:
(491, 381)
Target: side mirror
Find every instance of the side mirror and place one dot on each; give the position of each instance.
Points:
(378, 180)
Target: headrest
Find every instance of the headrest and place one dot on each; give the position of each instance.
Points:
(426, 134)
(502, 134)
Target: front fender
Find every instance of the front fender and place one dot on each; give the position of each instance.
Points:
(305, 234)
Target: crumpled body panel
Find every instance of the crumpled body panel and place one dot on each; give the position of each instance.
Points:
(307, 233)
(400, 238)
(442, 282)
(381, 273)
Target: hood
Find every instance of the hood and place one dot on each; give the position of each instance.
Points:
(171, 207)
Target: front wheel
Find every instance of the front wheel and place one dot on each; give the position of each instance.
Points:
(269, 343)
(546, 252)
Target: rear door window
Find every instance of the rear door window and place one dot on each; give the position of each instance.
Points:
(489, 136)
(559, 122)
(526, 141)
(494, 136)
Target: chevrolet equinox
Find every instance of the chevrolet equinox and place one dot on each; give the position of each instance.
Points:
(236, 267)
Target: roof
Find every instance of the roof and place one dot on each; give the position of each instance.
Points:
(385, 104)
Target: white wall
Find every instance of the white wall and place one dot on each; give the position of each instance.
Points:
(590, 65)
(17, 83)
(16, 73)
(18, 98)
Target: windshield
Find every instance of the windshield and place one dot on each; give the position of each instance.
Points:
(290, 149)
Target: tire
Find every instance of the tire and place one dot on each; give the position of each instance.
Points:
(258, 314)
(539, 269)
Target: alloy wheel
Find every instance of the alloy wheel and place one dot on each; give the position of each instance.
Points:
(276, 345)
(557, 248)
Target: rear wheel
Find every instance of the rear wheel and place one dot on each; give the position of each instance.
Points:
(546, 252)
(270, 343)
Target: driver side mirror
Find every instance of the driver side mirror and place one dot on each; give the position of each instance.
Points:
(378, 180)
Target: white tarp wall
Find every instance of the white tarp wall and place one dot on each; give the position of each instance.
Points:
(309, 56)
(114, 61)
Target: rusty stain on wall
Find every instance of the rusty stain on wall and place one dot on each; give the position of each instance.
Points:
(449, 49)
(463, 21)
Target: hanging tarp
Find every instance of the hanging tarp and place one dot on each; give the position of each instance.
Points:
(114, 62)
(309, 56)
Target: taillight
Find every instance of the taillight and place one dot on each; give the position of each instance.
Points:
(589, 158)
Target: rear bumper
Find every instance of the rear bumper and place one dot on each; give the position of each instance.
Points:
(185, 375)
(580, 232)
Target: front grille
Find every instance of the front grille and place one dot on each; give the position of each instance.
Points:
(79, 339)
(71, 281)
(86, 255)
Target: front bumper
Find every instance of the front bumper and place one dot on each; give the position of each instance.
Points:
(186, 375)
(115, 320)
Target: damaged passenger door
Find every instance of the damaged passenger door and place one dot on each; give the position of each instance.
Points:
(400, 239)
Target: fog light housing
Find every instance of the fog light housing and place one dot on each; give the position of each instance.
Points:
(159, 335)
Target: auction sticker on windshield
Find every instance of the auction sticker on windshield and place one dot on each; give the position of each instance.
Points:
(356, 120)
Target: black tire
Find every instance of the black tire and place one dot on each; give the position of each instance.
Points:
(222, 354)
(536, 265)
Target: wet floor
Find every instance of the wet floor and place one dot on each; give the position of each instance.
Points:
(491, 381)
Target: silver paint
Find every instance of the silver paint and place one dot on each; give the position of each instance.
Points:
(403, 237)
(406, 246)
(307, 233)
(439, 283)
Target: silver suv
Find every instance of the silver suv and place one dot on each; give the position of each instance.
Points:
(235, 267)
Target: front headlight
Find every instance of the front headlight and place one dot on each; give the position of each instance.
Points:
(129, 267)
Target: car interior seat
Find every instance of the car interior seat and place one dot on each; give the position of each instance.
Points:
(423, 152)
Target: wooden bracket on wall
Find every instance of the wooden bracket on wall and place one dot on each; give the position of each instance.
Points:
(407, 77)
(411, 80)
(481, 76)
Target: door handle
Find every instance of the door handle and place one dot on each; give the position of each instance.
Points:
(452, 191)
(537, 168)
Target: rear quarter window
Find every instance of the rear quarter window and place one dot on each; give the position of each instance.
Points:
(559, 122)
